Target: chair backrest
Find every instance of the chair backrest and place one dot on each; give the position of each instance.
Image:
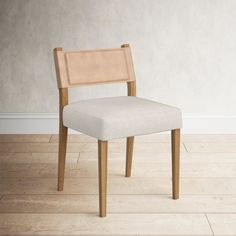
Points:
(74, 68)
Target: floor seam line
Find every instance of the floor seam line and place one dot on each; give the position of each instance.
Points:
(78, 158)
(185, 147)
(209, 224)
(50, 139)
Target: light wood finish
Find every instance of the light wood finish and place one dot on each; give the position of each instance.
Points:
(37, 158)
(115, 224)
(75, 138)
(223, 224)
(131, 85)
(175, 148)
(131, 91)
(153, 138)
(85, 168)
(129, 155)
(131, 186)
(86, 203)
(63, 97)
(102, 169)
(131, 88)
(76, 68)
(24, 138)
(208, 192)
(225, 147)
(84, 147)
(91, 67)
(186, 158)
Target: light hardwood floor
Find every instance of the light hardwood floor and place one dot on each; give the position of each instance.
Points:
(140, 205)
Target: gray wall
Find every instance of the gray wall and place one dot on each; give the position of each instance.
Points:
(184, 51)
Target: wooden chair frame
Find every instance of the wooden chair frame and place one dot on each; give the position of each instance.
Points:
(103, 146)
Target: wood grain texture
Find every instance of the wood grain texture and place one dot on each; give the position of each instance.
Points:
(188, 157)
(75, 138)
(63, 131)
(131, 85)
(129, 156)
(131, 91)
(141, 168)
(175, 143)
(138, 204)
(154, 138)
(28, 192)
(36, 158)
(25, 138)
(115, 224)
(223, 224)
(114, 147)
(78, 138)
(216, 147)
(120, 185)
(102, 171)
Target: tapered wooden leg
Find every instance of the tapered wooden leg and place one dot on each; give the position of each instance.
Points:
(129, 155)
(175, 145)
(102, 170)
(61, 156)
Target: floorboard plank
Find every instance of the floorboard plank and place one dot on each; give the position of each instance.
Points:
(166, 157)
(211, 147)
(117, 204)
(83, 147)
(34, 158)
(113, 224)
(223, 224)
(121, 185)
(116, 167)
(25, 138)
(158, 137)
(208, 138)
(141, 205)
(76, 138)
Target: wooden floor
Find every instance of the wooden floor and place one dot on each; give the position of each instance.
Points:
(140, 205)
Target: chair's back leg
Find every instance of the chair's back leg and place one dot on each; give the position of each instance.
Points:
(63, 101)
(131, 90)
(175, 146)
(129, 155)
(62, 156)
(102, 170)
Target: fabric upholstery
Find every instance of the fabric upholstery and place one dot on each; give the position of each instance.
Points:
(117, 117)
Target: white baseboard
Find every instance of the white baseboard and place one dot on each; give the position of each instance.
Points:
(39, 123)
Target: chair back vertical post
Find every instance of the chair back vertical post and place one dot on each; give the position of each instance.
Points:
(131, 85)
(63, 131)
(131, 90)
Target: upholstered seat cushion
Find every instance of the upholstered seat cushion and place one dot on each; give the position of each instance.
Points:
(117, 117)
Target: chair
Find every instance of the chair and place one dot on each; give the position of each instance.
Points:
(110, 118)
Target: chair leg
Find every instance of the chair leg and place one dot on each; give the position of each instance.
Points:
(62, 156)
(102, 169)
(129, 155)
(175, 146)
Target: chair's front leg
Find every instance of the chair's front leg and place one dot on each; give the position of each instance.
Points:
(175, 146)
(102, 170)
(61, 156)
(129, 155)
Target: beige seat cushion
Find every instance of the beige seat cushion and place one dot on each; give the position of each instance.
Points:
(117, 117)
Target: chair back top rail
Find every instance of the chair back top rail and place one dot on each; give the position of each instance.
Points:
(75, 68)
